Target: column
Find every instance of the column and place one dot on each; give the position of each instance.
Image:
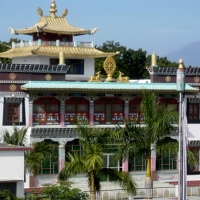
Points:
(30, 113)
(61, 161)
(153, 161)
(91, 112)
(126, 109)
(62, 113)
(125, 165)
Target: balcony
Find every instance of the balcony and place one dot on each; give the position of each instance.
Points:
(52, 43)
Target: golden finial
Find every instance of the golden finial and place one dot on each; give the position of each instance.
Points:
(40, 12)
(64, 13)
(109, 66)
(53, 8)
(181, 64)
(153, 59)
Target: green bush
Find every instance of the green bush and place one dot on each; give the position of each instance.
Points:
(7, 195)
(63, 192)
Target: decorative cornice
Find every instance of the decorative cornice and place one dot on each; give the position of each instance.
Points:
(34, 68)
(13, 81)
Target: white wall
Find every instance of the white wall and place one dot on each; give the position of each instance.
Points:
(20, 189)
(34, 59)
(88, 65)
(11, 165)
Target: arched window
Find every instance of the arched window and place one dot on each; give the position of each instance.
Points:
(46, 111)
(76, 109)
(108, 111)
(134, 111)
(166, 102)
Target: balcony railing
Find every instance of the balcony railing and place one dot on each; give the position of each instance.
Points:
(52, 43)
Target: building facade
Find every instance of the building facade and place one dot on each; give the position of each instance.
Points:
(50, 86)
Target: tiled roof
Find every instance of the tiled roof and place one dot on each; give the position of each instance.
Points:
(57, 25)
(81, 52)
(56, 69)
(109, 87)
(172, 70)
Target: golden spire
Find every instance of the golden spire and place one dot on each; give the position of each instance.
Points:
(181, 65)
(53, 8)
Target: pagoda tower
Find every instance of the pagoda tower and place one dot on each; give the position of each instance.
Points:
(53, 38)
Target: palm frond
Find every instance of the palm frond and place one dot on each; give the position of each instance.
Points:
(75, 166)
(121, 178)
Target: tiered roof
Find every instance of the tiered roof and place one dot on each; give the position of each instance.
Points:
(52, 24)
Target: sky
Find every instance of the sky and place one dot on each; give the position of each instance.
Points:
(159, 26)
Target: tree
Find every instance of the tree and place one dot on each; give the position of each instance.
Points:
(161, 62)
(129, 61)
(5, 46)
(35, 158)
(94, 143)
(136, 139)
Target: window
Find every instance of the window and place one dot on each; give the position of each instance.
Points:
(76, 65)
(14, 111)
(137, 162)
(193, 111)
(134, 111)
(76, 110)
(46, 111)
(50, 165)
(168, 102)
(73, 147)
(108, 111)
(166, 162)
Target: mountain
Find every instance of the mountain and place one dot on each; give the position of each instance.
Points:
(190, 54)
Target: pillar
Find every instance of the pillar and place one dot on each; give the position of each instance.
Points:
(61, 155)
(126, 109)
(126, 112)
(39, 42)
(61, 58)
(153, 161)
(91, 112)
(125, 165)
(30, 113)
(62, 113)
(57, 43)
(13, 45)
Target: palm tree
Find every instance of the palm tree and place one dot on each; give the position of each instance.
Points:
(35, 158)
(17, 137)
(137, 139)
(94, 143)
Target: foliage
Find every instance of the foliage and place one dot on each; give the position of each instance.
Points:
(161, 62)
(35, 158)
(94, 142)
(5, 46)
(17, 137)
(7, 195)
(141, 138)
(62, 192)
(129, 61)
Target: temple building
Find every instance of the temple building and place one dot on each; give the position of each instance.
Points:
(51, 85)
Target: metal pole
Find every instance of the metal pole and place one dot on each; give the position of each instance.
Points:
(180, 188)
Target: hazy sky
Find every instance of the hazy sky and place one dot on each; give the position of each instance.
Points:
(159, 26)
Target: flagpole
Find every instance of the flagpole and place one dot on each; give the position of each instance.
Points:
(182, 182)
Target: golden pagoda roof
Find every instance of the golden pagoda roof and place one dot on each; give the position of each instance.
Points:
(81, 52)
(56, 25)
(52, 24)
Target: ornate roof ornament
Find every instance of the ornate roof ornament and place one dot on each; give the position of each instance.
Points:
(53, 9)
(109, 66)
(40, 12)
(64, 13)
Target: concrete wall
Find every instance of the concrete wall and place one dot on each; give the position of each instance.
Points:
(11, 165)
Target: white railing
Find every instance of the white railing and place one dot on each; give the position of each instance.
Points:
(163, 192)
(51, 43)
